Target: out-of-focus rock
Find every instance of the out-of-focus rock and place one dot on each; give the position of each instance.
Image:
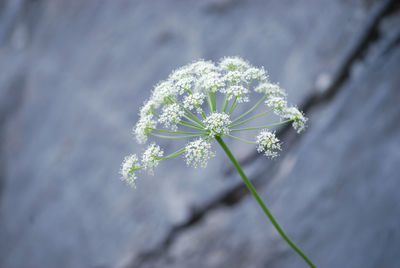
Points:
(73, 76)
(336, 194)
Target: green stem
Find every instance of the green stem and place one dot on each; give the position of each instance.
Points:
(185, 123)
(180, 151)
(194, 117)
(214, 101)
(250, 110)
(177, 137)
(210, 106)
(177, 132)
(225, 103)
(240, 139)
(267, 126)
(251, 118)
(191, 120)
(261, 203)
(190, 125)
(233, 106)
(188, 112)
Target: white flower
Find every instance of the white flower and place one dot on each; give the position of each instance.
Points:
(142, 128)
(151, 157)
(255, 74)
(269, 143)
(270, 89)
(233, 77)
(184, 84)
(211, 81)
(299, 120)
(217, 124)
(194, 100)
(239, 92)
(276, 103)
(198, 152)
(147, 108)
(183, 72)
(183, 96)
(128, 168)
(163, 92)
(202, 67)
(233, 63)
(171, 115)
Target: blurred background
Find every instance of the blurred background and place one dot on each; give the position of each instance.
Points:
(73, 75)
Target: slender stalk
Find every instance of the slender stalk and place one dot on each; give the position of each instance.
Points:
(177, 132)
(249, 119)
(191, 120)
(194, 116)
(188, 112)
(250, 110)
(190, 125)
(225, 103)
(210, 106)
(240, 139)
(233, 106)
(214, 101)
(185, 123)
(267, 126)
(261, 203)
(180, 151)
(177, 137)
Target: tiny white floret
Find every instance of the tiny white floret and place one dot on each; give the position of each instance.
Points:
(143, 126)
(276, 103)
(217, 124)
(270, 89)
(299, 120)
(238, 92)
(151, 157)
(128, 168)
(193, 101)
(198, 152)
(233, 63)
(171, 115)
(268, 143)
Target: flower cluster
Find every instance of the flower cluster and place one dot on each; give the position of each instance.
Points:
(171, 115)
(217, 124)
(268, 143)
(198, 152)
(128, 168)
(152, 156)
(185, 106)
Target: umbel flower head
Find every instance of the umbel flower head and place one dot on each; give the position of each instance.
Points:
(185, 106)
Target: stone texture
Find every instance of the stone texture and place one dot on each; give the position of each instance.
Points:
(335, 193)
(73, 76)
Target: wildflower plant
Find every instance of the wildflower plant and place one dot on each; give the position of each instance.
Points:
(197, 102)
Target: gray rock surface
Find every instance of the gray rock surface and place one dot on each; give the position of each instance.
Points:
(73, 75)
(336, 192)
